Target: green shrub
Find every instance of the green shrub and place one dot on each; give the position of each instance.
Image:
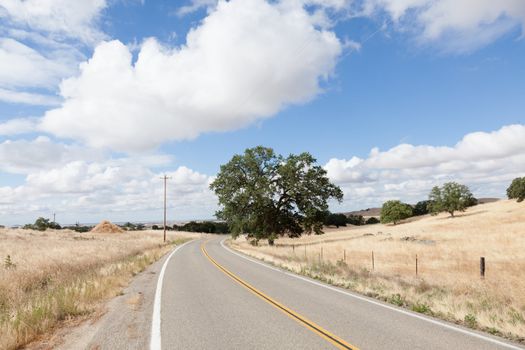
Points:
(397, 299)
(422, 308)
(470, 320)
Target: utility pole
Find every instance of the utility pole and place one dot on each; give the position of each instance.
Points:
(54, 217)
(165, 178)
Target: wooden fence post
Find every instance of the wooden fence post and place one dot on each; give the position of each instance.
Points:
(482, 267)
(373, 262)
(344, 255)
(416, 265)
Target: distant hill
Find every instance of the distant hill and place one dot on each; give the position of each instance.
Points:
(365, 212)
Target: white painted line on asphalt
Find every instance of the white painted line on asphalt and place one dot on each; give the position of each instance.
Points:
(436, 322)
(155, 342)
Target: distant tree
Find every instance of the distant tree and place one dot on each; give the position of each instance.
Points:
(394, 211)
(79, 228)
(267, 195)
(356, 220)
(449, 198)
(42, 224)
(204, 227)
(55, 226)
(335, 220)
(472, 202)
(516, 189)
(155, 227)
(372, 220)
(128, 226)
(421, 208)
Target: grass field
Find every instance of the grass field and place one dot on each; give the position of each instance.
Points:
(448, 284)
(56, 276)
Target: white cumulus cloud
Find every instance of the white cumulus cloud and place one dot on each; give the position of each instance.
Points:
(62, 18)
(455, 25)
(246, 60)
(41, 43)
(486, 161)
(27, 156)
(115, 188)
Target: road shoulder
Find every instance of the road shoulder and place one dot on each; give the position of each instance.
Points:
(123, 322)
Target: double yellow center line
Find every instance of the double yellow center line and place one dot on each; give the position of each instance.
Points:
(338, 342)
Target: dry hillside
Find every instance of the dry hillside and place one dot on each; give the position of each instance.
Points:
(448, 284)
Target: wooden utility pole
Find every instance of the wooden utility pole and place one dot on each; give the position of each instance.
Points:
(165, 178)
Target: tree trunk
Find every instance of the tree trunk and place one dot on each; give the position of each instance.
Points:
(451, 213)
(270, 241)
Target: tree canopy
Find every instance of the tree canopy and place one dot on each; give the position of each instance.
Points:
(372, 221)
(332, 219)
(204, 226)
(449, 198)
(516, 189)
(42, 224)
(421, 208)
(356, 220)
(394, 211)
(266, 195)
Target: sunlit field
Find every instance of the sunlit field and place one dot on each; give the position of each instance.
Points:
(448, 282)
(54, 276)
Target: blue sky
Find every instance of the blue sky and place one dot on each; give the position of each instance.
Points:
(440, 97)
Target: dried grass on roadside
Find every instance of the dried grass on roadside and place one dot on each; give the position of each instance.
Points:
(54, 276)
(448, 284)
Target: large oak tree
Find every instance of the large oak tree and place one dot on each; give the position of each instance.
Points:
(266, 195)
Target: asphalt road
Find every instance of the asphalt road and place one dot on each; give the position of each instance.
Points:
(213, 298)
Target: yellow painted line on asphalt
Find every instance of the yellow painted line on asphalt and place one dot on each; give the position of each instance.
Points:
(335, 340)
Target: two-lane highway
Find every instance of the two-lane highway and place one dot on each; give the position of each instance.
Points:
(213, 298)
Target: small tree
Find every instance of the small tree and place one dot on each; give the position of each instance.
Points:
(449, 198)
(41, 224)
(372, 221)
(356, 220)
(516, 189)
(55, 226)
(421, 208)
(267, 195)
(336, 220)
(394, 211)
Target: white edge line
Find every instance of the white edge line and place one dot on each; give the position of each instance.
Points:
(155, 340)
(334, 289)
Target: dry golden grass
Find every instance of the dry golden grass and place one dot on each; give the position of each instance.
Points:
(54, 276)
(449, 249)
